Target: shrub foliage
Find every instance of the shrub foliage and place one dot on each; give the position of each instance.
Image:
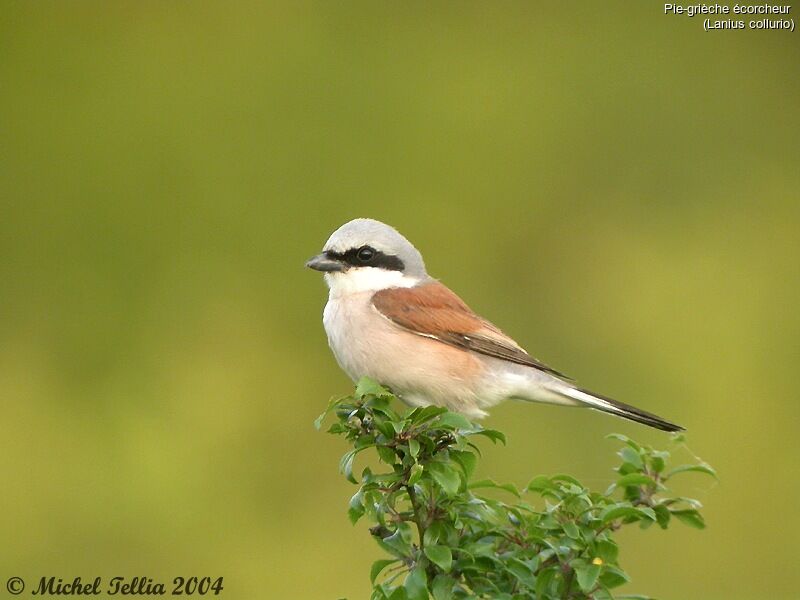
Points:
(448, 536)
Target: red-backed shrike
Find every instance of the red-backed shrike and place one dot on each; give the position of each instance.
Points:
(387, 319)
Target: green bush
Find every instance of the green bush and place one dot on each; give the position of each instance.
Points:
(449, 537)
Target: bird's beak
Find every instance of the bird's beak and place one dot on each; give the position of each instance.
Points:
(323, 263)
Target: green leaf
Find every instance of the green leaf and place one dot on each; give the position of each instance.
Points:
(436, 531)
(690, 502)
(395, 545)
(626, 512)
(602, 594)
(416, 584)
(701, 468)
(522, 572)
(366, 441)
(659, 460)
(490, 483)
(634, 479)
(385, 427)
(587, 577)
(630, 455)
(624, 439)
(331, 405)
(447, 477)
(454, 420)
(440, 556)
(607, 551)
(346, 465)
(319, 419)
(399, 594)
(466, 459)
(568, 479)
(370, 387)
(572, 530)
(613, 577)
(492, 434)
(540, 483)
(692, 518)
(442, 588)
(544, 580)
(378, 566)
(413, 447)
(426, 413)
(356, 510)
(415, 474)
(386, 454)
(662, 515)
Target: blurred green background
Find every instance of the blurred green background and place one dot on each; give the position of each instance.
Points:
(613, 187)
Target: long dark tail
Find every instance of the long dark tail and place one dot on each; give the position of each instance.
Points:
(615, 407)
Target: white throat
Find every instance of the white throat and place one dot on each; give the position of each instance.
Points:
(366, 279)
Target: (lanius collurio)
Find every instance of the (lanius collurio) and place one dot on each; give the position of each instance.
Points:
(387, 319)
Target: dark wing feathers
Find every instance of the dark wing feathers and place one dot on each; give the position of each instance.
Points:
(496, 348)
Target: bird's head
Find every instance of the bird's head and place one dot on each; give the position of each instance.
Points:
(367, 255)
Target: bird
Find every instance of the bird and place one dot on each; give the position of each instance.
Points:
(387, 319)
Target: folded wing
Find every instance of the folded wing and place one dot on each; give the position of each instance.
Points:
(433, 310)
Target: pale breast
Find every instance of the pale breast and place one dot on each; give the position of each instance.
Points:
(348, 326)
(419, 369)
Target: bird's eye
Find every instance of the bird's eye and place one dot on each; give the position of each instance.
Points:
(365, 254)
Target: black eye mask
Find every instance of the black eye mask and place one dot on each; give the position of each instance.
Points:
(367, 256)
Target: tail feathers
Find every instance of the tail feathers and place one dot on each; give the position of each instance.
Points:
(615, 407)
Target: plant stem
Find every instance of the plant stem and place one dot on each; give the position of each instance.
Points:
(568, 579)
(412, 496)
(421, 526)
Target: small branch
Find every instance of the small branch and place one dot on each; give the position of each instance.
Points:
(412, 496)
